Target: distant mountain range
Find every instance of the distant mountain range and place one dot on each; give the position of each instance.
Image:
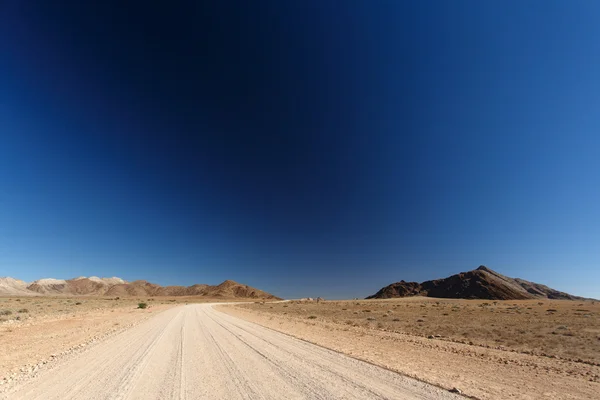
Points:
(94, 286)
(481, 283)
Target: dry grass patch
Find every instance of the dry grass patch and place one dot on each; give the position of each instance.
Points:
(552, 328)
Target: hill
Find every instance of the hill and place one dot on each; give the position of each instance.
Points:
(14, 287)
(94, 286)
(481, 283)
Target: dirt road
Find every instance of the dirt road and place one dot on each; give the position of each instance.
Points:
(196, 352)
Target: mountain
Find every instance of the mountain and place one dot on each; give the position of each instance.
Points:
(227, 289)
(14, 287)
(94, 286)
(76, 286)
(481, 283)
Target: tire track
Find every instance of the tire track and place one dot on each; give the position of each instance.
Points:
(356, 389)
(181, 361)
(243, 387)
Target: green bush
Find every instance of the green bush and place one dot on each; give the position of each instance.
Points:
(5, 312)
(142, 305)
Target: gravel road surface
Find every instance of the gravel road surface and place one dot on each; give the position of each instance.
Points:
(195, 352)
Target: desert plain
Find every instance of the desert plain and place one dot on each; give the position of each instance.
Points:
(525, 349)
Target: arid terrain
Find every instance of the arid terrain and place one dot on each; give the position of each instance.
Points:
(484, 349)
(194, 352)
(525, 349)
(33, 329)
(47, 318)
(36, 330)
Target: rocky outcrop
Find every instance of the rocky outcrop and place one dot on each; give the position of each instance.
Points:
(481, 283)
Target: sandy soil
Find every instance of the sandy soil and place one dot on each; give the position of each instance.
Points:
(37, 330)
(195, 352)
(489, 350)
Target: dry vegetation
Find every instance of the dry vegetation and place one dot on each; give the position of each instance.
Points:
(525, 349)
(19, 311)
(556, 328)
(22, 311)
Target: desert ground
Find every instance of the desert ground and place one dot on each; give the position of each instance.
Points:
(526, 349)
(195, 352)
(33, 329)
(176, 348)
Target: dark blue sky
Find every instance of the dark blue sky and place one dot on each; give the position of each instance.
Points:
(306, 148)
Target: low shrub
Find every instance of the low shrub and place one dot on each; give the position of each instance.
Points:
(142, 305)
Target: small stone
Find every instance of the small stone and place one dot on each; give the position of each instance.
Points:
(456, 390)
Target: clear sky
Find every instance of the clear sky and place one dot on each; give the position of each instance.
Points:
(308, 148)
